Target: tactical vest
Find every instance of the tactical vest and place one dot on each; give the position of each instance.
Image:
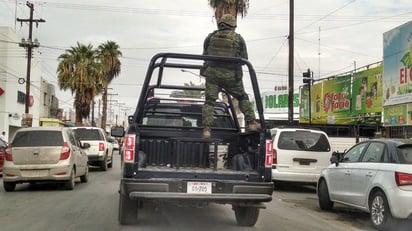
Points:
(222, 43)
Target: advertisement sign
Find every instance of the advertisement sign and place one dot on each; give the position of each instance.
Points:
(395, 115)
(337, 100)
(344, 100)
(276, 102)
(397, 58)
(27, 120)
(367, 95)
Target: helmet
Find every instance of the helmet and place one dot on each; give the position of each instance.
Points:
(228, 19)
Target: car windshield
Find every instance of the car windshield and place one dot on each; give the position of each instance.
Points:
(304, 141)
(37, 138)
(88, 134)
(405, 154)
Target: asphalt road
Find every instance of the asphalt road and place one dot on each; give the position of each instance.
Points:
(93, 206)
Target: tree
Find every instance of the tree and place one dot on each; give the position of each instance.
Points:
(233, 7)
(78, 71)
(108, 54)
(189, 93)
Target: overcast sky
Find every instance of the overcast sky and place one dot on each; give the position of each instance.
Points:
(331, 36)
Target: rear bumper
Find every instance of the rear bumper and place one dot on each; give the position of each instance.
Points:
(32, 173)
(95, 158)
(303, 177)
(231, 192)
(400, 201)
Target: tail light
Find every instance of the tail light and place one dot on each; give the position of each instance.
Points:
(8, 156)
(101, 146)
(65, 154)
(129, 148)
(402, 178)
(269, 154)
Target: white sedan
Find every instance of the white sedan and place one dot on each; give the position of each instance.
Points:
(374, 176)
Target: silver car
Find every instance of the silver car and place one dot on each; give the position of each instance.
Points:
(44, 154)
(374, 176)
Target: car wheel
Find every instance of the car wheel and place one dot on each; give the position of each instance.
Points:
(70, 183)
(103, 164)
(246, 216)
(127, 211)
(85, 177)
(380, 213)
(9, 186)
(323, 196)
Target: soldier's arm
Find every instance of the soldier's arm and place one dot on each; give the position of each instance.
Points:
(243, 48)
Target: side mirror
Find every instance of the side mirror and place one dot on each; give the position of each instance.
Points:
(130, 119)
(334, 160)
(117, 131)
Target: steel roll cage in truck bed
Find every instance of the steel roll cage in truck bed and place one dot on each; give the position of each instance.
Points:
(162, 162)
(163, 57)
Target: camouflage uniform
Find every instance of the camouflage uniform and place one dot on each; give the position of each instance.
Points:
(224, 75)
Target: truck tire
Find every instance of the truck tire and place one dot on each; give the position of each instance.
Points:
(246, 216)
(103, 164)
(110, 165)
(127, 211)
(9, 186)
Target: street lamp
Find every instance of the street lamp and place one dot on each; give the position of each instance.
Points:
(191, 72)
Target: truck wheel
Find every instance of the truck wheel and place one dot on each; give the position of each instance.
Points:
(323, 194)
(110, 165)
(127, 211)
(103, 164)
(9, 186)
(70, 183)
(246, 216)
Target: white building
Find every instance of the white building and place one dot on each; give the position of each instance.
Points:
(13, 74)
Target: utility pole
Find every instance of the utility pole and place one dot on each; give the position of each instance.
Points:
(29, 45)
(291, 59)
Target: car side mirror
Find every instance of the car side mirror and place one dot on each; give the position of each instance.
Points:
(334, 160)
(117, 131)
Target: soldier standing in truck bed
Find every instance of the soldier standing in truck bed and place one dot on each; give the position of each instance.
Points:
(225, 42)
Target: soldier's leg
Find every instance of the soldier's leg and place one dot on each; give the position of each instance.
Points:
(211, 95)
(237, 90)
(245, 106)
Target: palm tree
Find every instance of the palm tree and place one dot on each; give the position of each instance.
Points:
(108, 54)
(189, 93)
(78, 71)
(233, 7)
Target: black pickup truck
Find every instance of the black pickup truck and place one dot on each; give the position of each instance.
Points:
(164, 158)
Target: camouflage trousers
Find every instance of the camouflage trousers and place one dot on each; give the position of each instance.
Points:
(218, 78)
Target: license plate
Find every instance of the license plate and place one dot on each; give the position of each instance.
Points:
(34, 173)
(199, 187)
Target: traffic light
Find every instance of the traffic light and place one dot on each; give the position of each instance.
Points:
(307, 77)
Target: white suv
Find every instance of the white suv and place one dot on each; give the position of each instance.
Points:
(299, 154)
(100, 152)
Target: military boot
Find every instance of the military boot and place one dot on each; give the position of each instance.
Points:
(206, 133)
(253, 126)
